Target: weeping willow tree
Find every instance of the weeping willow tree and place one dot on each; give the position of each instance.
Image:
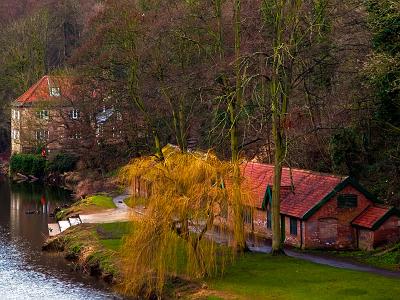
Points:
(176, 236)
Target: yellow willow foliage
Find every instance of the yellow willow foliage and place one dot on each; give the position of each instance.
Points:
(189, 195)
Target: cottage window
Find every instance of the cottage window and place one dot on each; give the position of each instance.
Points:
(247, 215)
(347, 201)
(75, 114)
(293, 226)
(42, 134)
(55, 92)
(269, 219)
(43, 114)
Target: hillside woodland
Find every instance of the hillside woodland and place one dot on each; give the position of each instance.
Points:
(173, 68)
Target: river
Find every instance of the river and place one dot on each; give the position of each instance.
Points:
(25, 271)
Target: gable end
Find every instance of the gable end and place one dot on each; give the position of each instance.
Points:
(337, 189)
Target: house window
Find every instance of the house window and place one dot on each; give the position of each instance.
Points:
(99, 130)
(74, 114)
(75, 136)
(42, 134)
(347, 201)
(247, 215)
(269, 219)
(16, 114)
(55, 92)
(15, 134)
(43, 114)
(293, 226)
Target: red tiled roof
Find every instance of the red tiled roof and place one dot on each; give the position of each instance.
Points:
(369, 217)
(301, 189)
(40, 91)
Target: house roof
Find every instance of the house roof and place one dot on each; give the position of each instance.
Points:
(373, 217)
(42, 90)
(301, 191)
(104, 116)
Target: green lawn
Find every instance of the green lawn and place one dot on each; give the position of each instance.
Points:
(260, 276)
(89, 205)
(101, 201)
(110, 235)
(134, 201)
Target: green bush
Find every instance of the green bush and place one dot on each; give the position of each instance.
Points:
(28, 164)
(62, 163)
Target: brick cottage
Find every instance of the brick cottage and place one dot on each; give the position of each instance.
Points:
(319, 210)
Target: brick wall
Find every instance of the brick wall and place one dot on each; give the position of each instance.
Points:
(290, 239)
(260, 223)
(365, 239)
(388, 232)
(29, 123)
(330, 226)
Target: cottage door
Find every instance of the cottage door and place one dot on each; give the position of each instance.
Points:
(328, 231)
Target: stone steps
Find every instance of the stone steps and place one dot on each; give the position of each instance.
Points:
(56, 228)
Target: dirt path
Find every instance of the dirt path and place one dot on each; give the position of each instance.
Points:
(120, 214)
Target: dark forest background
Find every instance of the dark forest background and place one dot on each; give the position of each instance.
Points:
(176, 59)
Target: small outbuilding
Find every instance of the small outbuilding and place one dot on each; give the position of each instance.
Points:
(376, 226)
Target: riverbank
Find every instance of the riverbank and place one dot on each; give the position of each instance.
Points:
(96, 250)
(92, 248)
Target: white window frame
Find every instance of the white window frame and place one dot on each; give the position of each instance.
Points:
(15, 134)
(42, 135)
(16, 115)
(55, 92)
(44, 114)
(75, 114)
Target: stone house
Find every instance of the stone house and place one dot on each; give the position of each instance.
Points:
(49, 116)
(319, 210)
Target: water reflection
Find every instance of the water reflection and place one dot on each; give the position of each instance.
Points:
(25, 271)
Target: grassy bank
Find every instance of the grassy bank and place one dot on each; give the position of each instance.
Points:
(88, 205)
(93, 248)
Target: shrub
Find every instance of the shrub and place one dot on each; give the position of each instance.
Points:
(62, 163)
(28, 164)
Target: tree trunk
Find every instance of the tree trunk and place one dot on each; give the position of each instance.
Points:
(277, 243)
